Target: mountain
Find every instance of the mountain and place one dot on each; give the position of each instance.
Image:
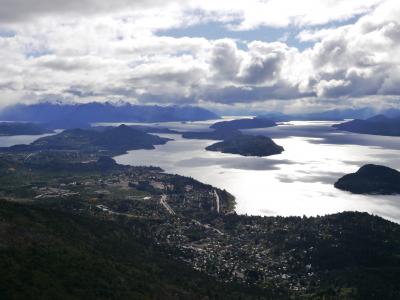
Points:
(51, 254)
(331, 115)
(113, 140)
(15, 128)
(81, 115)
(371, 179)
(247, 145)
(338, 114)
(377, 125)
(98, 230)
(257, 122)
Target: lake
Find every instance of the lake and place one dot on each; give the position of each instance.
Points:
(8, 141)
(297, 182)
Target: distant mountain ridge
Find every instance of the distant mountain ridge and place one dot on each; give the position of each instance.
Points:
(81, 115)
(377, 125)
(332, 115)
(19, 128)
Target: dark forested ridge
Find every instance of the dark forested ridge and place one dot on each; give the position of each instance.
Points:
(21, 128)
(377, 125)
(110, 140)
(51, 254)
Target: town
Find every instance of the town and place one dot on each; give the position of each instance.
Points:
(194, 222)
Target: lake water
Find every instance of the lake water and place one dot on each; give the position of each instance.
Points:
(7, 141)
(297, 182)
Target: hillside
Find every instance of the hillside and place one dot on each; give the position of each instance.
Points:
(16, 128)
(50, 254)
(111, 140)
(98, 230)
(377, 125)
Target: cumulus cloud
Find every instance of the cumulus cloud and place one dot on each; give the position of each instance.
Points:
(92, 50)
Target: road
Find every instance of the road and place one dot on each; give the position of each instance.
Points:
(217, 201)
(163, 202)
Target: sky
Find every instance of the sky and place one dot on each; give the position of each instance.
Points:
(226, 55)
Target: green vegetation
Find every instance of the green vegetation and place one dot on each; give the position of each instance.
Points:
(257, 122)
(80, 226)
(247, 145)
(235, 142)
(110, 141)
(50, 254)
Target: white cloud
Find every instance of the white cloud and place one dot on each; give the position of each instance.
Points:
(89, 51)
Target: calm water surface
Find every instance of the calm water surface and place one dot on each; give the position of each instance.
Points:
(7, 141)
(297, 182)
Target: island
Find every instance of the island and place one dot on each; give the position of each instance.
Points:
(22, 128)
(235, 142)
(377, 125)
(371, 179)
(247, 145)
(108, 141)
(257, 122)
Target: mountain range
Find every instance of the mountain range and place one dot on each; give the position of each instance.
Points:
(58, 115)
(332, 115)
(377, 125)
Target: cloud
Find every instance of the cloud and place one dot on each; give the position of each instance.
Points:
(22, 10)
(95, 50)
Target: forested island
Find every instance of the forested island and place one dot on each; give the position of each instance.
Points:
(247, 145)
(234, 141)
(371, 179)
(257, 122)
(108, 140)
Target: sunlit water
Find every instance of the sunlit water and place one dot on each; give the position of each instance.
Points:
(297, 182)
(7, 141)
